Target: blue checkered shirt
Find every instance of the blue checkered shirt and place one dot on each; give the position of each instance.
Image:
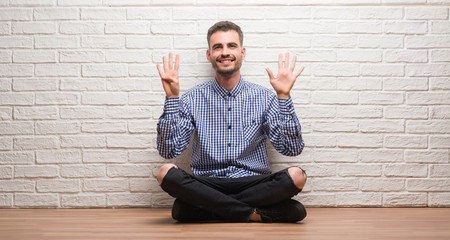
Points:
(230, 128)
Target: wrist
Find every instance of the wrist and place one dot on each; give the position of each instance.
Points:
(283, 95)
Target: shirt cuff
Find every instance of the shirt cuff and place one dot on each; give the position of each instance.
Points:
(286, 106)
(171, 105)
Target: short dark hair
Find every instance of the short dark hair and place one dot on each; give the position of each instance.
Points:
(225, 26)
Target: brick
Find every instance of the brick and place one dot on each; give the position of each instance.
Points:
(129, 56)
(16, 70)
(79, 3)
(108, 70)
(440, 27)
(130, 200)
(335, 13)
(381, 98)
(135, 141)
(381, 13)
(335, 126)
(424, 126)
(126, 2)
(104, 127)
(440, 141)
(439, 199)
(427, 41)
(382, 185)
(82, 112)
(359, 112)
(103, 14)
(102, 42)
(35, 143)
(359, 170)
(334, 184)
(342, 69)
(435, 70)
(358, 199)
(402, 27)
(56, 98)
(35, 56)
(359, 27)
(442, 170)
(80, 141)
(129, 85)
(35, 171)
(440, 55)
(430, 156)
(6, 200)
(334, 156)
(142, 126)
(58, 186)
(129, 112)
(5, 29)
(415, 56)
(60, 13)
(359, 140)
(6, 143)
(333, 41)
(405, 199)
(427, 98)
(82, 85)
(33, 28)
(320, 140)
(153, 42)
(440, 112)
(381, 126)
(5, 85)
(104, 98)
(36, 200)
(146, 98)
(58, 127)
(359, 56)
(108, 156)
(381, 156)
(5, 113)
(30, 3)
(406, 112)
(385, 70)
(405, 170)
(83, 171)
(127, 28)
(312, 27)
(426, 13)
(16, 158)
(148, 13)
(144, 156)
(316, 112)
(315, 55)
(380, 42)
(129, 170)
(16, 42)
(105, 185)
(81, 56)
(317, 199)
(74, 28)
(6, 172)
(150, 185)
(36, 113)
(176, 28)
(16, 128)
(57, 70)
(78, 201)
(428, 185)
(405, 141)
(144, 71)
(298, 42)
(320, 170)
(405, 84)
(49, 42)
(195, 13)
(16, 14)
(267, 27)
(16, 186)
(5, 56)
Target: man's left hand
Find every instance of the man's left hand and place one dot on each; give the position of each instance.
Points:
(285, 79)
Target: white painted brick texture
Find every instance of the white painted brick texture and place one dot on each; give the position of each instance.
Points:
(80, 96)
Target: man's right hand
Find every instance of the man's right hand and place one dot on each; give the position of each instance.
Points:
(169, 77)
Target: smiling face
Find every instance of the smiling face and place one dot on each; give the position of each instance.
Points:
(225, 52)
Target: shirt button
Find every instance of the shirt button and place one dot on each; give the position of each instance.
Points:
(229, 127)
(229, 109)
(229, 144)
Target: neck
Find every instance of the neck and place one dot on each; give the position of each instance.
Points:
(228, 82)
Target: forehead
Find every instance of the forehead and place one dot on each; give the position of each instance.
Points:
(221, 37)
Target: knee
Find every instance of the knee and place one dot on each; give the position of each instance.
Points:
(298, 176)
(163, 171)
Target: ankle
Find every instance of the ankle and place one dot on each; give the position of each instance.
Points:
(255, 217)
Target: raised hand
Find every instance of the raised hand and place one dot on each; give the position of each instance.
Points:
(285, 79)
(169, 77)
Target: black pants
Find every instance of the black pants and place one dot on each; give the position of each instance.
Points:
(233, 199)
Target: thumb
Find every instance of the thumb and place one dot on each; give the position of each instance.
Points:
(270, 73)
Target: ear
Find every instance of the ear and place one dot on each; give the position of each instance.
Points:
(243, 51)
(208, 56)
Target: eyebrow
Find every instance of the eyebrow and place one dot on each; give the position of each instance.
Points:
(220, 44)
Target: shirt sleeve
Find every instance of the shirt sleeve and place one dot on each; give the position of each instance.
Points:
(283, 127)
(174, 128)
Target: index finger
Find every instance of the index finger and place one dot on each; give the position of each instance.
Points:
(177, 62)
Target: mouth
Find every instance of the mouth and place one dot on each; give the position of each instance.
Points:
(226, 60)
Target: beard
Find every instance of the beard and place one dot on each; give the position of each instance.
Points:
(227, 71)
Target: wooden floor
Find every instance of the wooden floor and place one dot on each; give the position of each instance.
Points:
(151, 224)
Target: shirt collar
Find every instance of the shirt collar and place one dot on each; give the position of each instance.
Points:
(224, 92)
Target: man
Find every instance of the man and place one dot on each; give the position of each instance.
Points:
(231, 120)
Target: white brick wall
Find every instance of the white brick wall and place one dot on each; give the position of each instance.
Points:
(80, 96)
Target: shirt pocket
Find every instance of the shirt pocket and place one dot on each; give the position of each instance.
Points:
(252, 129)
